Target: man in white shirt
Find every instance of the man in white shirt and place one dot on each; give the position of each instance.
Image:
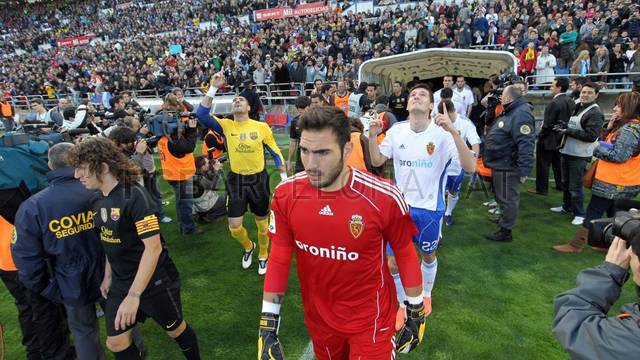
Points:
(424, 152)
(467, 131)
(463, 94)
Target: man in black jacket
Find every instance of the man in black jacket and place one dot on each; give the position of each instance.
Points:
(557, 113)
(61, 261)
(508, 150)
(580, 137)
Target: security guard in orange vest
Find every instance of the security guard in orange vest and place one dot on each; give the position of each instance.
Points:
(178, 164)
(9, 276)
(6, 113)
(341, 98)
(360, 158)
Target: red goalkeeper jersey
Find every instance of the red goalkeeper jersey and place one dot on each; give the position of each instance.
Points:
(339, 240)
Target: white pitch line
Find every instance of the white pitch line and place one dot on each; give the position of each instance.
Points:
(308, 352)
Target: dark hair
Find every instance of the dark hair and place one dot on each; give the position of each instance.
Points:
(122, 135)
(325, 88)
(69, 112)
(397, 82)
(114, 100)
(375, 86)
(563, 83)
(448, 103)
(356, 124)
(200, 161)
(422, 86)
(451, 76)
(446, 93)
(37, 101)
(96, 151)
(317, 96)
(302, 102)
(592, 85)
(327, 117)
(581, 80)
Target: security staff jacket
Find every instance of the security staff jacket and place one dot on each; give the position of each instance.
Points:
(580, 321)
(510, 142)
(56, 250)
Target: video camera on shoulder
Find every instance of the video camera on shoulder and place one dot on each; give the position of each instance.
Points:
(625, 225)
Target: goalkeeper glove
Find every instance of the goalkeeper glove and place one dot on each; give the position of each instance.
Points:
(412, 332)
(269, 347)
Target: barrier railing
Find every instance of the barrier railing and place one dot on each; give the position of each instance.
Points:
(487, 47)
(610, 82)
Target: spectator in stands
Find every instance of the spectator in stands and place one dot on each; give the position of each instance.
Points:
(567, 46)
(398, 101)
(255, 105)
(600, 63)
(528, 60)
(618, 60)
(582, 64)
(545, 66)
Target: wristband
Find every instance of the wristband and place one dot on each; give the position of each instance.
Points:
(134, 294)
(212, 91)
(269, 307)
(415, 300)
(283, 176)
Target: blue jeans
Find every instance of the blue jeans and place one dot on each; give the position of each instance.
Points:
(183, 191)
(573, 169)
(151, 184)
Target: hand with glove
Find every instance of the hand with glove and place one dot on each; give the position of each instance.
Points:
(411, 334)
(269, 347)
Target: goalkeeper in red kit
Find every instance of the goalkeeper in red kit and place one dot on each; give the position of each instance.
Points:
(339, 220)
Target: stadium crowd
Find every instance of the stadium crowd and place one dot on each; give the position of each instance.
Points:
(571, 37)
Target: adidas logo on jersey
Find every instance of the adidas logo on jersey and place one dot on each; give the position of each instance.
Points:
(326, 211)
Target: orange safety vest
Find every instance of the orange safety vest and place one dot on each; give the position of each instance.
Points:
(6, 234)
(342, 102)
(219, 139)
(173, 168)
(481, 169)
(7, 111)
(626, 174)
(356, 159)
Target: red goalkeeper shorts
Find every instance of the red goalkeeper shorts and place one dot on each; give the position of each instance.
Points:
(331, 345)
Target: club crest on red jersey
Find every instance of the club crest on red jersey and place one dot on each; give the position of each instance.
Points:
(115, 214)
(356, 226)
(431, 147)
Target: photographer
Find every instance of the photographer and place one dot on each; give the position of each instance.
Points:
(178, 164)
(208, 205)
(580, 319)
(118, 107)
(616, 176)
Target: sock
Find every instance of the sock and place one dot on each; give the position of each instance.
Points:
(263, 239)
(452, 201)
(130, 353)
(188, 342)
(399, 289)
(428, 277)
(241, 235)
